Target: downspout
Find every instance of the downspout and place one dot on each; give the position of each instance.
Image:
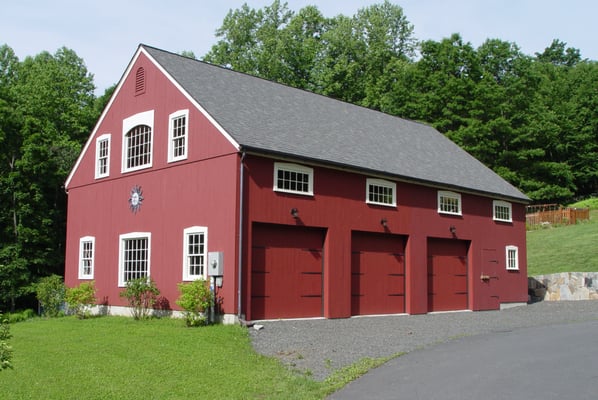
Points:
(240, 249)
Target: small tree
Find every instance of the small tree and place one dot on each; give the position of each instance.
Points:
(196, 299)
(141, 293)
(81, 299)
(5, 349)
(50, 293)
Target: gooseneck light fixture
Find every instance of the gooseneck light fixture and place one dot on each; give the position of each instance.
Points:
(295, 213)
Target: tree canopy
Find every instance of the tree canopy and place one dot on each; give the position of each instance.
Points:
(532, 119)
(47, 109)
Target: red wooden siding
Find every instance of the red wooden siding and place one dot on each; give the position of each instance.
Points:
(447, 275)
(377, 274)
(286, 272)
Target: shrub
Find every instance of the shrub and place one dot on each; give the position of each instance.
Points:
(5, 349)
(196, 299)
(21, 316)
(81, 299)
(50, 293)
(141, 293)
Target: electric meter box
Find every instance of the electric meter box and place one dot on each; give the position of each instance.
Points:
(215, 263)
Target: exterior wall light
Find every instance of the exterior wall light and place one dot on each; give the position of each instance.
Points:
(453, 229)
(384, 222)
(295, 213)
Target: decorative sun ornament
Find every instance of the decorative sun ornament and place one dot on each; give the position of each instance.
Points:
(136, 199)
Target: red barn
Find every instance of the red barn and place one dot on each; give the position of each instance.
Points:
(309, 206)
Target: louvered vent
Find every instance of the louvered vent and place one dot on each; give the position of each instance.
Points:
(139, 81)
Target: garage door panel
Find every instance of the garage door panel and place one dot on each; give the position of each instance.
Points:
(447, 275)
(286, 272)
(310, 284)
(377, 274)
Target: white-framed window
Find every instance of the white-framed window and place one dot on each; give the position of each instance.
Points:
(177, 135)
(102, 156)
(134, 256)
(512, 258)
(502, 211)
(138, 132)
(293, 178)
(449, 202)
(195, 252)
(86, 257)
(381, 192)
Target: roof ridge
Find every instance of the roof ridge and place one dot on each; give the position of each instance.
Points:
(270, 81)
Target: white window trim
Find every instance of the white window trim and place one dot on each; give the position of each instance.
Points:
(143, 118)
(294, 168)
(171, 118)
(500, 203)
(453, 195)
(82, 241)
(101, 138)
(381, 183)
(187, 231)
(121, 260)
(516, 250)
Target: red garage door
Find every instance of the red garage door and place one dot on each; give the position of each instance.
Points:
(377, 274)
(286, 272)
(447, 275)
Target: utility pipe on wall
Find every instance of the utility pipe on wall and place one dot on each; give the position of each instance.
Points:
(241, 216)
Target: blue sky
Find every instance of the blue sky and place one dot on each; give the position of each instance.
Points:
(106, 33)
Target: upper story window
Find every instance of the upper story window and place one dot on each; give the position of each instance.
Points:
(195, 242)
(177, 135)
(381, 192)
(134, 257)
(449, 202)
(137, 141)
(502, 211)
(86, 257)
(293, 178)
(512, 258)
(102, 156)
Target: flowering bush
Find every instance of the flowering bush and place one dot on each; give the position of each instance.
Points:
(141, 294)
(5, 349)
(196, 299)
(81, 299)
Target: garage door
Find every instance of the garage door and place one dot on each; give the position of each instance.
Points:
(286, 272)
(447, 275)
(377, 274)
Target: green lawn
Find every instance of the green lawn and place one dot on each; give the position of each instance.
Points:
(572, 248)
(120, 358)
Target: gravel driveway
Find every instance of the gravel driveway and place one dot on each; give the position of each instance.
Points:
(320, 346)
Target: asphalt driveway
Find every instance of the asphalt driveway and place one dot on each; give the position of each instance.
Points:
(318, 347)
(542, 362)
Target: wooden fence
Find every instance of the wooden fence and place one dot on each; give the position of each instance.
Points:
(554, 214)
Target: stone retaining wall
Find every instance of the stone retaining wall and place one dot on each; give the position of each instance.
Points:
(564, 286)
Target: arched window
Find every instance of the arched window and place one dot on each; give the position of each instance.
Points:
(139, 147)
(137, 141)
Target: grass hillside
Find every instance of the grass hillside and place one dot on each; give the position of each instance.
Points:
(572, 248)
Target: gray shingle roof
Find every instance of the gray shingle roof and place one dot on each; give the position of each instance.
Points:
(268, 117)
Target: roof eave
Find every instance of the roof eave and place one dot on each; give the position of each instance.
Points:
(380, 174)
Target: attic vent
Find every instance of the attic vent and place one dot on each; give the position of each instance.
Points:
(139, 81)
